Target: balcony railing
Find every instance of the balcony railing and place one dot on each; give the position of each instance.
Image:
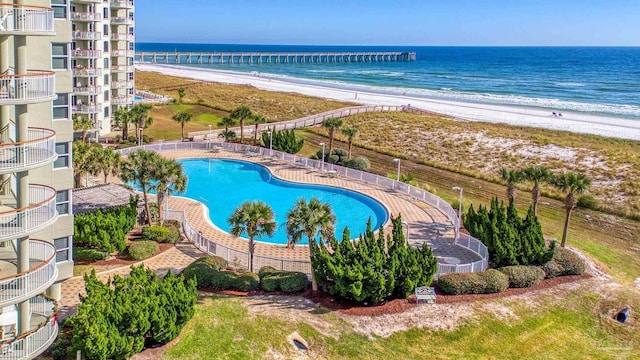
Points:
(121, 20)
(25, 19)
(86, 16)
(122, 68)
(40, 213)
(24, 285)
(32, 87)
(87, 90)
(86, 109)
(87, 72)
(122, 36)
(122, 4)
(121, 84)
(129, 53)
(121, 100)
(86, 54)
(38, 150)
(33, 343)
(86, 35)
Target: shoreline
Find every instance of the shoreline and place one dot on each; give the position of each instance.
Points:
(512, 115)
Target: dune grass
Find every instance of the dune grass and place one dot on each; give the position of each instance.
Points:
(580, 328)
(165, 128)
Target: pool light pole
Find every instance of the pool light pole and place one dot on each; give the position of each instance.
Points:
(270, 142)
(322, 144)
(209, 136)
(459, 211)
(407, 225)
(398, 161)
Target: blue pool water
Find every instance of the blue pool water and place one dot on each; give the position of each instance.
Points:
(138, 98)
(223, 185)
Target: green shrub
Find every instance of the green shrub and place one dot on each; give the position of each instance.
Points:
(293, 282)
(570, 262)
(199, 272)
(221, 280)
(552, 269)
(80, 254)
(105, 229)
(143, 249)
(486, 282)
(155, 233)
(588, 202)
(283, 140)
(246, 282)
(174, 234)
(267, 270)
(270, 282)
(358, 163)
(214, 262)
(523, 276)
(60, 347)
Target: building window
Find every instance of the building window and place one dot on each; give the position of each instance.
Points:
(61, 107)
(106, 111)
(63, 202)
(62, 149)
(63, 248)
(106, 63)
(60, 56)
(106, 45)
(105, 29)
(59, 8)
(105, 13)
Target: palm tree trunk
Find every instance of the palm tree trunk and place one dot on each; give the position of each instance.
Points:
(182, 132)
(77, 179)
(160, 199)
(255, 136)
(330, 141)
(106, 174)
(350, 143)
(314, 284)
(566, 227)
(241, 131)
(146, 205)
(84, 136)
(535, 198)
(252, 246)
(124, 131)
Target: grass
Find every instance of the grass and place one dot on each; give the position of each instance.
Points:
(165, 128)
(580, 328)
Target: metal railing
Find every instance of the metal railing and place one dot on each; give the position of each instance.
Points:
(122, 100)
(36, 341)
(121, 84)
(122, 68)
(92, 54)
(86, 35)
(87, 90)
(34, 86)
(120, 20)
(122, 4)
(23, 221)
(118, 53)
(122, 36)
(15, 18)
(87, 72)
(39, 149)
(87, 109)
(464, 240)
(34, 281)
(86, 16)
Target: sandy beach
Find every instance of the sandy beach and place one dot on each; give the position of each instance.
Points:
(570, 121)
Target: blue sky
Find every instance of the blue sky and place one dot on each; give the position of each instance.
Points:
(391, 22)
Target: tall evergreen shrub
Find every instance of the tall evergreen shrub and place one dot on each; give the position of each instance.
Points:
(105, 229)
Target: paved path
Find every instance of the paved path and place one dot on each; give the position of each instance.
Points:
(174, 259)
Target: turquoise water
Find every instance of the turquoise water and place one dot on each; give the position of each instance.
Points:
(599, 80)
(223, 185)
(138, 98)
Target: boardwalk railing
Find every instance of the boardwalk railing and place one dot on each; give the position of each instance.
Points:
(240, 257)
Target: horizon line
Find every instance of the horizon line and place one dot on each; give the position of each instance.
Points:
(381, 45)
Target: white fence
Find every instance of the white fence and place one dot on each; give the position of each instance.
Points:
(25, 19)
(231, 255)
(33, 280)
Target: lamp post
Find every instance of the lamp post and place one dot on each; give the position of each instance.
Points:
(270, 142)
(407, 225)
(322, 144)
(209, 136)
(459, 211)
(398, 161)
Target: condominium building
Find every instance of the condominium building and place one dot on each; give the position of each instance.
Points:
(36, 174)
(102, 59)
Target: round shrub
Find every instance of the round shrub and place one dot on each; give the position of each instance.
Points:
(80, 254)
(570, 262)
(552, 269)
(143, 249)
(214, 262)
(486, 282)
(267, 270)
(523, 276)
(270, 282)
(358, 163)
(292, 282)
(199, 271)
(155, 233)
(174, 234)
(246, 282)
(221, 280)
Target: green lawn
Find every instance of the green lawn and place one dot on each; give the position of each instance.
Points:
(223, 329)
(165, 128)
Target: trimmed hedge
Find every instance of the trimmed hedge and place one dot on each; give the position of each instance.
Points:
(270, 282)
(523, 276)
(211, 272)
(565, 262)
(174, 233)
(486, 282)
(267, 270)
(143, 249)
(286, 281)
(202, 269)
(246, 282)
(80, 254)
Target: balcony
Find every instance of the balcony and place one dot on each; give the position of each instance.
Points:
(38, 150)
(40, 213)
(122, 4)
(86, 35)
(121, 84)
(80, 16)
(27, 284)
(33, 87)
(122, 36)
(122, 100)
(118, 53)
(42, 334)
(86, 109)
(122, 68)
(119, 20)
(87, 90)
(86, 54)
(87, 72)
(26, 20)
(89, 1)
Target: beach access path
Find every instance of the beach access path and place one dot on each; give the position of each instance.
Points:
(512, 115)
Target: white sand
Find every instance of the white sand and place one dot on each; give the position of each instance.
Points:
(570, 121)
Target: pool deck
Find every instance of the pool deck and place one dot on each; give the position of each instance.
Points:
(426, 223)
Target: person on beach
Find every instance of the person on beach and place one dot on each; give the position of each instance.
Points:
(553, 113)
(560, 114)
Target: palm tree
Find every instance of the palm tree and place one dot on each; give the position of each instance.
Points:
(181, 93)
(140, 167)
(310, 218)
(350, 133)
(257, 119)
(226, 122)
(228, 135)
(536, 174)
(572, 184)
(511, 178)
(241, 113)
(140, 117)
(121, 118)
(182, 118)
(255, 218)
(110, 162)
(82, 123)
(82, 158)
(331, 125)
(169, 177)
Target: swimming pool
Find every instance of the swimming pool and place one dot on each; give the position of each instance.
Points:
(223, 185)
(138, 98)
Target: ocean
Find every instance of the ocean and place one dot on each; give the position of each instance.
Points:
(595, 80)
